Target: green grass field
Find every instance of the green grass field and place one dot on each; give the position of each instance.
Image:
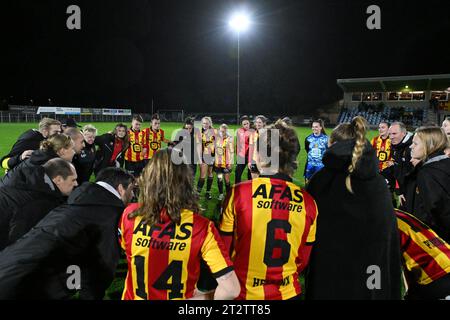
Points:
(10, 132)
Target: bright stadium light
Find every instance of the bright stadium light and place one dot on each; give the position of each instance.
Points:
(239, 22)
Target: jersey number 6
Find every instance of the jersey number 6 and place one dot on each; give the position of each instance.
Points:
(271, 244)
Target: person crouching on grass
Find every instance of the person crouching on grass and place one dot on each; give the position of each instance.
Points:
(165, 238)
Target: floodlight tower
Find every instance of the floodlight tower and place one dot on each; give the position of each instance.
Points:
(239, 22)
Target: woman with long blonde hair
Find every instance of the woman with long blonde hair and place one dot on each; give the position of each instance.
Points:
(165, 238)
(206, 167)
(356, 227)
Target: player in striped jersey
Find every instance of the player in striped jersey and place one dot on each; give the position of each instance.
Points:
(270, 223)
(224, 154)
(426, 258)
(242, 150)
(260, 123)
(165, 239)
(382, 145)
(206, 167)
(134, 156)
(154, 136)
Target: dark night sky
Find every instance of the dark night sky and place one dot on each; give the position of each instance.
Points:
(183, 55)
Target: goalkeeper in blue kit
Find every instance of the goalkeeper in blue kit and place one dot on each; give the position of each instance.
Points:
(315, 146)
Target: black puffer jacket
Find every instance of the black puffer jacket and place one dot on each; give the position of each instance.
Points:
(103, 156)
(81, 233)
(29, 140)
(37, 158)
(355, 232)
(401, 155)
(25, 202)
(429, 194)
(84, 163)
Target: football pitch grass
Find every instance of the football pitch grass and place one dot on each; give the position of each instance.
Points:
(9, 132)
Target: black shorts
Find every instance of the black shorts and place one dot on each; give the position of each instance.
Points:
(134, 168)
(222, 170)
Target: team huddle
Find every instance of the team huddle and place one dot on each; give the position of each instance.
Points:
(372, 222)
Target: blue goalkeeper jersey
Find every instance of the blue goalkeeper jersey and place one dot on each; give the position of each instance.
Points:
(316, 146)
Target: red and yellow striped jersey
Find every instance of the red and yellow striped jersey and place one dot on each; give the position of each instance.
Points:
(253, 140)
(383, 149)
(152, 142)
(164, 259)
(208, 137)
(242, 142)
(134, 152)
(272, 221)
(223, 151)
(426, 256)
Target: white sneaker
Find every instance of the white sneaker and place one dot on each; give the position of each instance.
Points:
(220, 197)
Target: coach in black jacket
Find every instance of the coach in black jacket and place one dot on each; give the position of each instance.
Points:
(80, 235)
(112, 147)
(357, 233)
(396, 174)
(33, 193)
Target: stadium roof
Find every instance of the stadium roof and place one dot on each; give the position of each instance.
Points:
(413, 83)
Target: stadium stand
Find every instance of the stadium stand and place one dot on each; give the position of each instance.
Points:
(414, 100)
(410, 116)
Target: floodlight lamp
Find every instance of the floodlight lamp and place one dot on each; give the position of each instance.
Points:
(239, 22)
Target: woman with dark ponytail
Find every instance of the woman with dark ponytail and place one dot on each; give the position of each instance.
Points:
(356, 254)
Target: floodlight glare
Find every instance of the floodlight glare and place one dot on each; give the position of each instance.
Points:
(239, 22)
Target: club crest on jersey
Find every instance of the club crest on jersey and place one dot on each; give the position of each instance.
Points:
(154, 145)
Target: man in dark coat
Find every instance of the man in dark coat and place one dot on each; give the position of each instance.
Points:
(29, 141)
(33, 193)
(84, 162)
(81, 235)
(401, 140)
(112, 146)
(357, 253)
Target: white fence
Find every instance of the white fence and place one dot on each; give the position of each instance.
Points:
(12, 117)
